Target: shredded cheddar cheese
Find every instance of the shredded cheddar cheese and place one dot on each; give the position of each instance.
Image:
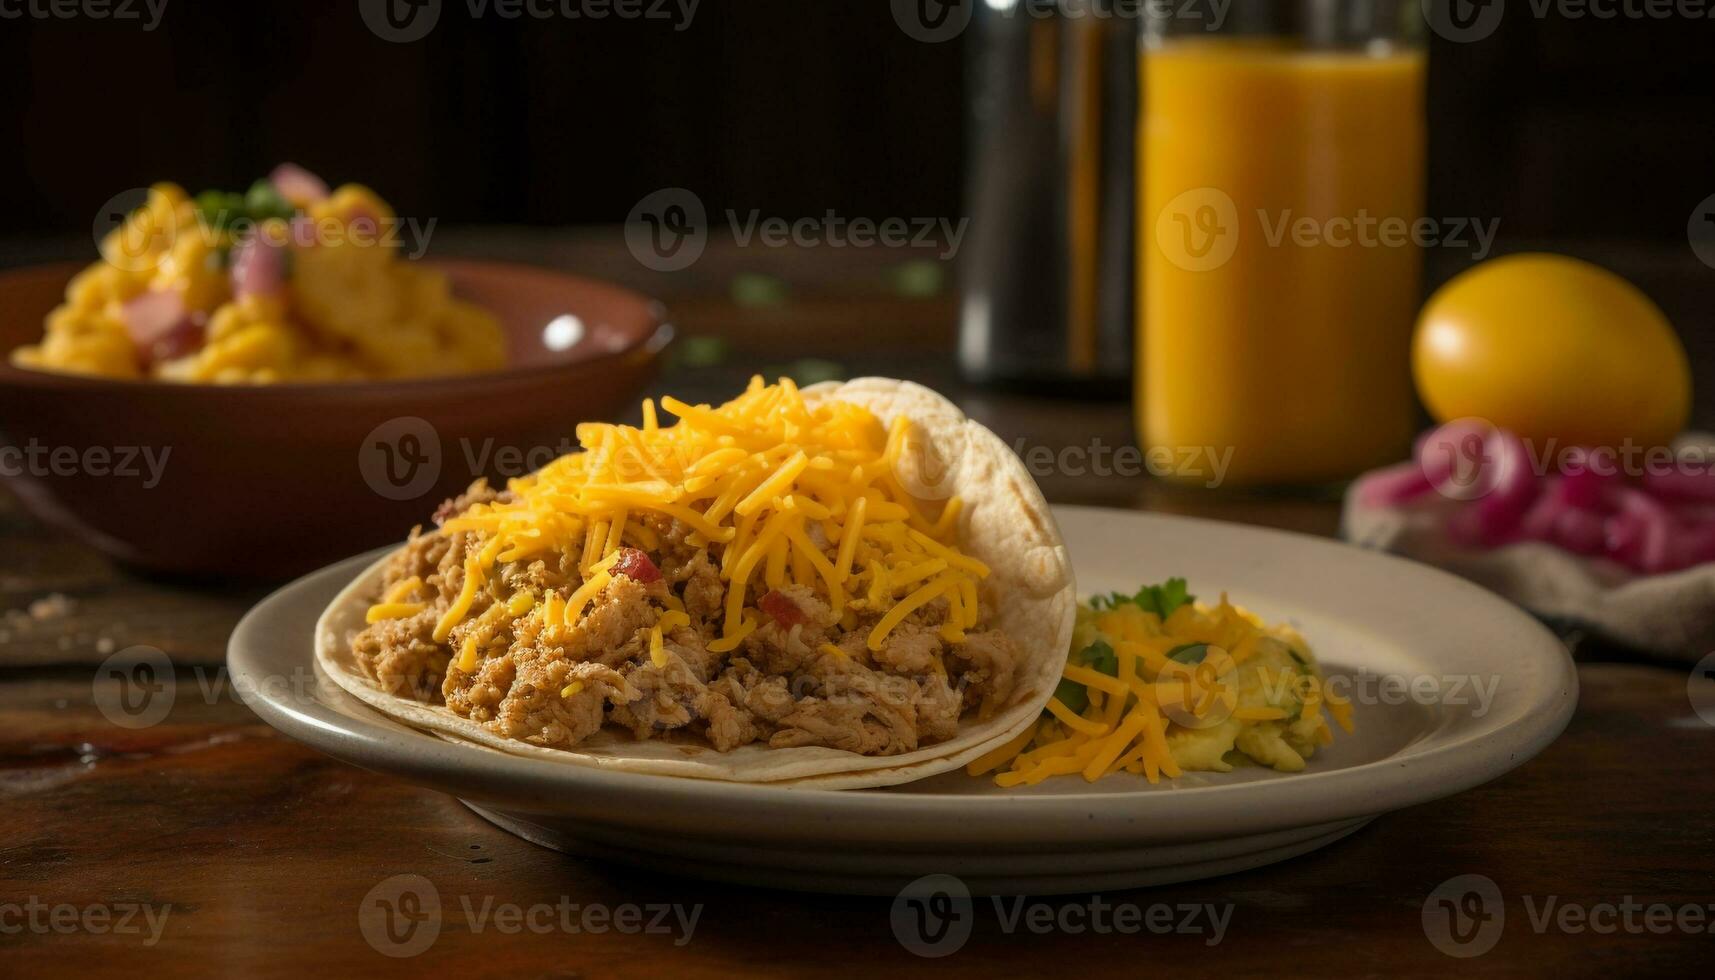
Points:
(657, 653)
(788, 494)
(467, 656)
(393, 610)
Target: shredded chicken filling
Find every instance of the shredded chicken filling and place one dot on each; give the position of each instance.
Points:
(639, 657)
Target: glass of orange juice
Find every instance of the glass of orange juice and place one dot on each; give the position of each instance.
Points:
(1281, 159)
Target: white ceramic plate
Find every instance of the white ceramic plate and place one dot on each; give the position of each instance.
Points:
(1368, 616)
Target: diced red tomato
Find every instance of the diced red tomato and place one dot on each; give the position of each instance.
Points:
(781, 609)
(635, 565)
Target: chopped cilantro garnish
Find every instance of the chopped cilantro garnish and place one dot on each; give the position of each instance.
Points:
(1073, 695)
(263, 201)
(1190, 653)
(219, 209)
(1100, 658)
(228, 211)
(1161, 600)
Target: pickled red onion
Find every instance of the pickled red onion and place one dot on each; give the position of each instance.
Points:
(1661, 522)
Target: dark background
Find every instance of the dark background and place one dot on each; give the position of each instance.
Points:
(1585, 129)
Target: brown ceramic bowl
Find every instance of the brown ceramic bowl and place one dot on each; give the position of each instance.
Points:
(269, 481)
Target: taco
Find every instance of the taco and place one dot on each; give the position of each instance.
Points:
(848, 585)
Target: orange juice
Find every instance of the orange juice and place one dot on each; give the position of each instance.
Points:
(1278, 274)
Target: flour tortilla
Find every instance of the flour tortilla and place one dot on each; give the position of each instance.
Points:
(1030, 594)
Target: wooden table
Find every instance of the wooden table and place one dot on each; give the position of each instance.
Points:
(259, 851)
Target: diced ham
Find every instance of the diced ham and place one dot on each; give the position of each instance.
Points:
(160, 326)
(258, 267)
(152, 315)
(185, 338)
(298, 185)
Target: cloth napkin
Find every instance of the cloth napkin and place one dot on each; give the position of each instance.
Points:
(1671, 615)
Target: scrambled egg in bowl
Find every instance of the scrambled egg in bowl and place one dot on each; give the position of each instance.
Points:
(1159, 684)
(287, 282)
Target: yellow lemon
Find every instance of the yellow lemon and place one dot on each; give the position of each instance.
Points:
(1552, 347)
